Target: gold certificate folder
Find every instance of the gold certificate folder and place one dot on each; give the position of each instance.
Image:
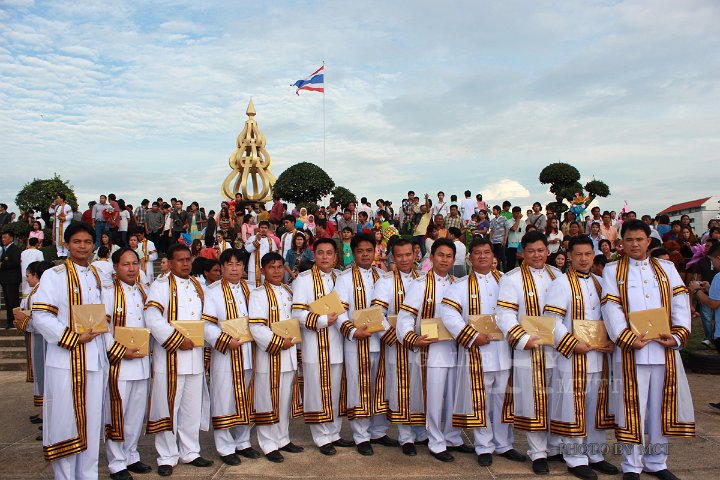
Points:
(134, 338)
(192, 329)
(91, 316)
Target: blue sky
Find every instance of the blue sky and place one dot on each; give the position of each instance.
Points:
(147, 98)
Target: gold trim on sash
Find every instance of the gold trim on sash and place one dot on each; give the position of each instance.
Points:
(272, 417)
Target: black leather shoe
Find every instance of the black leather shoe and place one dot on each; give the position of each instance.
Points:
(292, 448)
(461, 448)
(33, 417)
(583, 472)
(716, 406)
(485, 459)
(231, 459)
(343, 443)
(663, 475)
(556, 458)
(540, 466)
(121, 475)
(385, 441)
(364, 448)
(139, 467)
(604, 467)
(36, 420)
(39, 438)
(275, 456)
(408, 449)
(164, 470)
(422, 442)
(248, 452)
(328, 449)
(443, 456)
(631, 476)
(201, 462)
(514, 455)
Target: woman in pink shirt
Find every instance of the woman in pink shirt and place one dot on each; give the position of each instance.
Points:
(37, 232)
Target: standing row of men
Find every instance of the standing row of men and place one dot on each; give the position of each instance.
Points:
(562, 395)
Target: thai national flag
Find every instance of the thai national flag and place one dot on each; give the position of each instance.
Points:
(314, 82)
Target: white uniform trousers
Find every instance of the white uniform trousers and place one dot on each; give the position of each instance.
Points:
(376, 426)
(497, 437)
(411, 433)
(272, 437)
(59, 419)
(183, 442)
(439, 409)
(61, 250)
(544, 444)
(577, 450)
(650, 381)
(324, 433)
(134, 395)
(228, 440)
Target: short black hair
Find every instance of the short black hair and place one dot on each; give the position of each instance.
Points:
(76, 227)
(33, 241)
(347, 229)
(658, 252)
(9, 232)
(605, 240)
(635, 225)
(600, 260)
(231, 253)
(478, 241)
(198, 266)
(209, 264)
(119, 253)
(516, 209)
(714, 250)
(176, 247)
(39, 267)
(289, 218)
(443, 242)
(532, 237)
(62, 195)
(468, 193)
(361, 237)
(264, 222)
(506, 203)
(579, 240)
(323, 241)
(455, 232)
(399, 242)
(271, 257)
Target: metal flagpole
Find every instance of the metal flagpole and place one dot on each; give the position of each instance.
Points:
(324, 114)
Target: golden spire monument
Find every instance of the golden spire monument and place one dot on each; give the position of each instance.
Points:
(250, 161)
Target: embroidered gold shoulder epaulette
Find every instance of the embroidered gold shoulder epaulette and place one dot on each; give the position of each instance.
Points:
(514, 271)
(611, 264)
(162, 278)
(347, 271)
(60, 268)
(420, 279)
(461, 280)
(305, 273)
(665, 263)
(215, 284)
(555, 270)
(388, 275)
(336, 271)
(258, 289)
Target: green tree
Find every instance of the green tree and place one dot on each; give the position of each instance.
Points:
(564, 181)
(303, 183)
(40, 193)
(343, 196)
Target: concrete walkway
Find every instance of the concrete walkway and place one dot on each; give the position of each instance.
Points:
(21, 455)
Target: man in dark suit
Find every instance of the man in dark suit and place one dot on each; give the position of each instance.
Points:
(10, 275)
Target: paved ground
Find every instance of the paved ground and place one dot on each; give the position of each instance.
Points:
(22, 458)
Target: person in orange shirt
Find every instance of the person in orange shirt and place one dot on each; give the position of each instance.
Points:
(607, 230)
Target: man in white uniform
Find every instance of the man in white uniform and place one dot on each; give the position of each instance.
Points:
(124, 300)
(653, 396)
(62, 215)
(257, 246)
(73, 402)
(179, 402)
(433, 360)
(322, 350)
(523, 292)
(483, 364)
(275, 361)
(403, 405)
(579, 410)
(362, 348)
(231, 362)
(149, 254)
